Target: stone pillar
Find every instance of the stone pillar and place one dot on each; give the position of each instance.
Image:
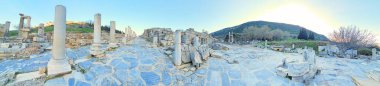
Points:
(293, 47)
(28, 19)
(266, 44)
(40, 34)
(125, 35)
(177, 48)
(374, 55)
(21, 25)
(229, 37)
(97, 29)
(155, 41)
(96, 45)
(112, 42)
(25, 30)
(41, 31)
(232, 37)
(6, 27)
(58, 64)
(196, 42)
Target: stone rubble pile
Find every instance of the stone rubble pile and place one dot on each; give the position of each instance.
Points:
(159, 36)
(328, 50)
(218, 46)
(299, 70)
(191, 47)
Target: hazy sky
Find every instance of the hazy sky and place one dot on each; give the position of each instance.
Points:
(321, 16)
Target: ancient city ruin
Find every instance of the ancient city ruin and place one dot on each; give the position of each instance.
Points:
(109, 50)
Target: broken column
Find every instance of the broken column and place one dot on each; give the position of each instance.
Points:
(58, 64)
(293, 46)
(26, 29)
(40, 34)
(196, 41)
(155, 41)
(266, 44)
(232, 37)
(96, 45)
(6, 27)
(126, 32)
(41, 30)
(177, 48)
(374, 55)
(229, 37)
(112, 43)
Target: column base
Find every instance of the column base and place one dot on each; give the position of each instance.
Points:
(96, 50)
(57, 67)
(113, 45)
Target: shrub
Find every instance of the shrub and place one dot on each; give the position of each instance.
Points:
(365, 51)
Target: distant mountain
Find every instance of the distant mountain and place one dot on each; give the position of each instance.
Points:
(292, 29)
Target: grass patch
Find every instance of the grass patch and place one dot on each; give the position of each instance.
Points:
(298, 43)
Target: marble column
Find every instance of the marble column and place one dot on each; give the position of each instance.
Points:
(266, 44)
(125, 39)
(6, 27)
(112, 42)
(41, 30)
(232, 37)
(196, 42)
(374, 55)
(28, 19)
(293, 46)
(96, 45)
(58, 64)
(155, 41)
(21, 25)
(26, 29)
(177, 48)
(229, 37)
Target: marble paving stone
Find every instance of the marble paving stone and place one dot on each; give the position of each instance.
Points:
(121, 75)
(71, 81)
(118, 64)
(234, 74)
(80, 83)
(237, 83)
(132, 62)
(225, 80)
(150, 78)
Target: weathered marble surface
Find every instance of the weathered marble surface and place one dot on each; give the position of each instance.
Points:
(137, 64)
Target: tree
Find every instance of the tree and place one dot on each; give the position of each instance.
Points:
(351, 37)
(278, 34)
(303, 34)
(311, 36)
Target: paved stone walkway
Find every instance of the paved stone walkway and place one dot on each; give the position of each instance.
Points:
(138, 64)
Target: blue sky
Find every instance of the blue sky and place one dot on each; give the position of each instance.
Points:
(323, 16)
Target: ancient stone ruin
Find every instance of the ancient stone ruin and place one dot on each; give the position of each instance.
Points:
(299, 69)
(41, 37)
(328, 50)
(96, 45)
(24, 30)
(129, 34)
(4, 31)
(159, 36)
(59, 64)
(375, 54)
(192, 47)
(112, 42)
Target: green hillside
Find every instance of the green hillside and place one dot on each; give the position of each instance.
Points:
(292, 29)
